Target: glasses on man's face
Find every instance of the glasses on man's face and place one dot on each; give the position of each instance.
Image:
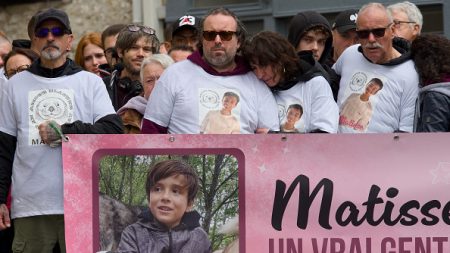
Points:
(11, 72)
(397, 23)
(44, 31)
(377, 32)
(144, 29)
(224, 35)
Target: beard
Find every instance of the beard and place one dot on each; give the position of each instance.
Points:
(51, 54)
(130, 68)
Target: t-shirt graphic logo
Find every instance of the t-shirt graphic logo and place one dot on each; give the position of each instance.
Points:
(48, 104)
(358, 81)
(209, 99)
(219, 111)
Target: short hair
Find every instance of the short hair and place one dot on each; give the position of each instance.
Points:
(169, 168)
(127, 39)
(30, 54)
(296, 106)
(90, 38)
(241, 32)
(318, 28)
(111, 31)
(377, 81)
(410, 9)
(430, 53)
(163, 59)
(376, 5)
(269, 48)
(231, 94)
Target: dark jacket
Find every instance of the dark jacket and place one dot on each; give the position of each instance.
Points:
(300, 24)
(433, 108)
(109, 124)
(148, 235)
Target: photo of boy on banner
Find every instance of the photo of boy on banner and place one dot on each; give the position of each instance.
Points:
(189, 195)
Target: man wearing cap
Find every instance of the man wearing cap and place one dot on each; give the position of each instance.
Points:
(134, 43)
(52, 98)
(344, 32)
(189, 89)
(185, 32)
(378, 56)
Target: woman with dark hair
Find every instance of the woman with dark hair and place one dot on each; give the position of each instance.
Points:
(18, 60)
(294, 79)
(431, 54)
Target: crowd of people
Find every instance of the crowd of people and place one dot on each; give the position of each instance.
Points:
(370, 71)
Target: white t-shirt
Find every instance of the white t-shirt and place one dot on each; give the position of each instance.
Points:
(315, 97)
(185, 93)
(37, 181)
(393, 105)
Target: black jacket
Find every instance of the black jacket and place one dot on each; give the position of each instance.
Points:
(433, 108)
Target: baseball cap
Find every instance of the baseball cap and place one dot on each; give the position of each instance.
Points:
(52, 13)
(346, 20)
(185, 21)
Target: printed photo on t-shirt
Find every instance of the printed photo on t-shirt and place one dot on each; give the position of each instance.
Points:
(290, 116)
(356, 110)
(48, 104)
(219, 111)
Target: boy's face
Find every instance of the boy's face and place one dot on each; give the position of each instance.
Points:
(229, 102)
(293, 115)
(313, 40)
(169, 200)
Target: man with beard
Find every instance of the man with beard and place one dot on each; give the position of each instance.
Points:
(188, 90)
(52, 98)
(379, 56)
(134, 43)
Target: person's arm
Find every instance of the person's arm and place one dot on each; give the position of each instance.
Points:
(7, 150)
(150, 127)
(109, 124)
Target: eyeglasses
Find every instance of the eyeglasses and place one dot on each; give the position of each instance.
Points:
(11, 72)
(397, 23)
(224, 35)
(56, 31)
(144, 29)
(377, 32)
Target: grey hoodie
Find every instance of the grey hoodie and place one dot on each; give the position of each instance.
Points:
(147, 235)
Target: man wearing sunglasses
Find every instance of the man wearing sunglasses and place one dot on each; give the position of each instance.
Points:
(52, 98)
(408, 20)
(188, 90)
(134, 43)
(379, 56)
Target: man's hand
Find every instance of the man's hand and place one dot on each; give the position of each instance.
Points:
(5, 221)
(51, 133)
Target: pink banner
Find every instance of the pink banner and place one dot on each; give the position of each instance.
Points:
(298, 193)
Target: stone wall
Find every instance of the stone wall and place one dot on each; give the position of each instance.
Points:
(85, 16)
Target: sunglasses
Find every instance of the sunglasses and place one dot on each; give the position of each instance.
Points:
(11, 72)
(377, 32)
(56, 31)
(144, 29)
(224, 35)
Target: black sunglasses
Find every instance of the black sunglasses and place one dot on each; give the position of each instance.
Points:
(56, 31)
(224, 35)
(377, 32)
(144, 29)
